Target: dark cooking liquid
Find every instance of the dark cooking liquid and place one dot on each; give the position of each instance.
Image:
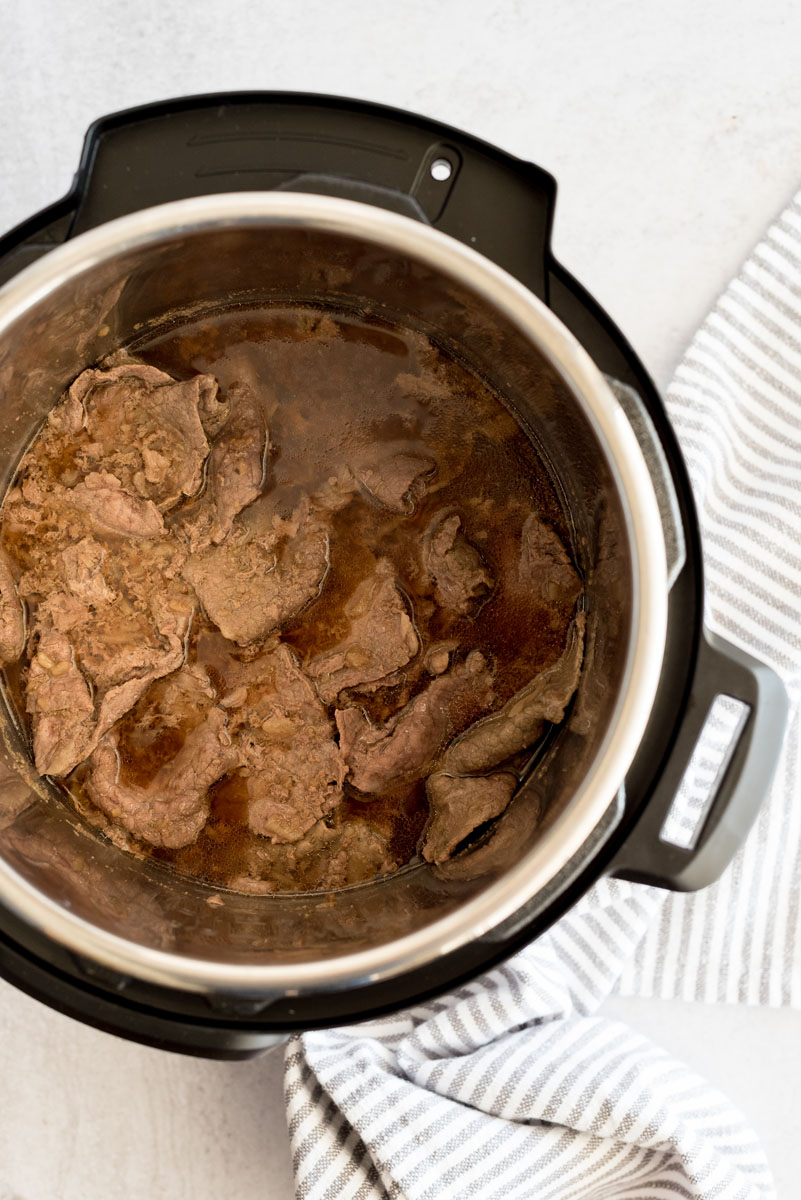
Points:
(332, 384)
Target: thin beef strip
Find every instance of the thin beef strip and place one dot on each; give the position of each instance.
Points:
(68, 716)
(145, 427)
(173, 807)
(520, 722)
(461, 800)
(410, 742)
(507, 841)
(544, 568)
(12, 618)
(393, 477)
(325, 857)
(438, 657)
(459, 805)
(60, 704)
(292, 765)
(381, 638)
(462, 582)
(235, 471)
(252, 584)
(111, 508)
(82, 568)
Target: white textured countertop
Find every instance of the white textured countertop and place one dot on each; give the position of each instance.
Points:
(675, 134)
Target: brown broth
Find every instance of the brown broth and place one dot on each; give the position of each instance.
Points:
(332, 385)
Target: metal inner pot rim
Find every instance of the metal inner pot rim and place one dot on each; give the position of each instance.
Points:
(571, 829)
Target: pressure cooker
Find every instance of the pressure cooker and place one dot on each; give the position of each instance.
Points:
(263, 197)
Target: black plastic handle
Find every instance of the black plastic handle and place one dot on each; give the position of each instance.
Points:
(722, 669)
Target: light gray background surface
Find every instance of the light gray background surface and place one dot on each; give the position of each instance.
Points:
(675, 134)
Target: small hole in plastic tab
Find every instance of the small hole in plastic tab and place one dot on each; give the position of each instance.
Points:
(441, 169)
(704, 772)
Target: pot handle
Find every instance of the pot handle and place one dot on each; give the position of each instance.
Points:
(743, 777)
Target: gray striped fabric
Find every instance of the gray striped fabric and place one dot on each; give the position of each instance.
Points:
(510, 1088)
(736, 405)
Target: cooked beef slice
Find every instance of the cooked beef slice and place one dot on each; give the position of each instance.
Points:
(235, 470)
(393, 477)
(144, 427)
(460, 804)
(250, 586)
(83, 574)
(407, 745)
(438, 657)
(68, 416)
(520, 722)
(323, 858)
(291, 762)
(60, 704)
(113, 645)
(381, 638)
(356, 853)
(12, 618)
(335, 492)
(156, 727)
(213, 410)
(544, 568)
(68, 716)
(121, 605)
(113, 509)
(505, 844)
(120, 698)
(461, 581)
(173, 808)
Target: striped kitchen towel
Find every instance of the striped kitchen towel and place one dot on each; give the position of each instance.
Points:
(511, 1088)
(735, 402)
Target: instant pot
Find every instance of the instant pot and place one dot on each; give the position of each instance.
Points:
(253, 198)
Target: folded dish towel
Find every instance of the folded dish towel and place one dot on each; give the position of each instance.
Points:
(511, 1087)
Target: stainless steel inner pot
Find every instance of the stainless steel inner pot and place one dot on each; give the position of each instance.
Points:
(104, 287)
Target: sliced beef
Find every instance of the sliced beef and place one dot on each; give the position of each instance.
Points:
(121, 653)
(235, 471)
(136, 627)
(12, 618)
(326, 857)
(113, 509)
(60, 704)
(83, 574)
(379, 757)
(292, 765)
(381, 639)
(121, 698)
(438, 657)
(213, 410)
(145, 427)
(356, 852)
(68, 416)
(459, 805)
(510, 838)
(173, 808)
(462, 582)
(336, 492)
(393, 477)
(127, 673)
(520, 722)
(544, 569)
(250, 586)
(116, 641)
